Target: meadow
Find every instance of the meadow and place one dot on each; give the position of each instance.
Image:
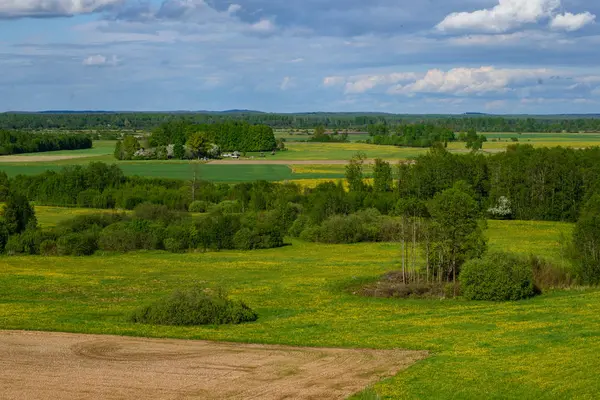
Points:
(540, 348)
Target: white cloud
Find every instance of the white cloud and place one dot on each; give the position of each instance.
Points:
(511, 14)
(99, 60)
(363, 83)
(263, 26)
(470, 81)
(233, 8)
(572, 22)
(52, 8)
(334, 81)
(286, 83)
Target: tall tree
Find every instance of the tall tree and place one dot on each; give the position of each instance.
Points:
(456, 215)
(382, 176)
(19, 215)
(354, 172)
(586, 241)
(197, 143)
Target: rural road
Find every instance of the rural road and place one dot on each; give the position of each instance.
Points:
(61, 366)
(283, 162)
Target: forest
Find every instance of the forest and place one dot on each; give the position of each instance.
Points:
(16, 142)
(356, 121)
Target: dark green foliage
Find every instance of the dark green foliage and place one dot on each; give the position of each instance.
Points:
(194, 307)
(77, 244)
(82, 223)
(199, 206)
(4, 234)
(228, 136)
(15, 142)
(414, 135)
(586, 241)
(354, 173)
(14, 245)
(48, 248)
(364, 226)
(156, 212)
(375, 124)
(18, 213)
(382, 176)
(457, 229)
(497, 277)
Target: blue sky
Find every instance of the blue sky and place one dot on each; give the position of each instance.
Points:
(401, 56)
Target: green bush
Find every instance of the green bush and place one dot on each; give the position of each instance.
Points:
(83, 223)
(48, 248)
(14, 245)
(173, 245)
(497, 277)
(77, 244)
(194, 306)
(199, 206)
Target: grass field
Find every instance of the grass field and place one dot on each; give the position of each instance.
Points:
(541, 348)
(297, 151)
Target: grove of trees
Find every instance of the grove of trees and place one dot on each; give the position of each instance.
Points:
(17, 142)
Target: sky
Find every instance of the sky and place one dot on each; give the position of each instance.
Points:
(398, 56)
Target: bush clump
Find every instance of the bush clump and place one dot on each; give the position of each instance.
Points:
(195, 306)
(497, 277)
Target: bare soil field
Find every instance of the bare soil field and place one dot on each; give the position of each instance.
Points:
(32, 159)
(39, 365)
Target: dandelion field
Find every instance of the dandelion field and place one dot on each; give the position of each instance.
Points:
(541, 348)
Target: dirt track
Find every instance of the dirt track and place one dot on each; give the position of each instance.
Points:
(284, 162)
(39, 365)
(32, 159)
(280, 162)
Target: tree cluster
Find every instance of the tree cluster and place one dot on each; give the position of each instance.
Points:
(228, 136)
(411, 135)
(16, 142)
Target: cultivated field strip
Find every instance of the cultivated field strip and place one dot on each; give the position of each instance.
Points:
(68, 366)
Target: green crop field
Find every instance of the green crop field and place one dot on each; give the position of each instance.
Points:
(541, 348)
(297, 151)
(184, 170)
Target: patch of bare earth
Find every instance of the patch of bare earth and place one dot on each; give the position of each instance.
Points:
(279, 162)
(30, 159)
(39, 365)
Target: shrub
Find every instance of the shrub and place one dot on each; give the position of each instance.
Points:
(4, 234)
(83, 223)
(497, 277)
(14, 246)
(192, 307)
(173, 245)
(227, 207)
(299, 225)
(77, 244)
(48, 248)
(155, 212)
(199, 206)
(130, 236)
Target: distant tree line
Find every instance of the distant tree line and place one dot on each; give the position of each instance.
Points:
(411, 135)
(149, 121)
(16, 142)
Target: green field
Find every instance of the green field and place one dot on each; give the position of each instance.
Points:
(297, 151)
(541, 348)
